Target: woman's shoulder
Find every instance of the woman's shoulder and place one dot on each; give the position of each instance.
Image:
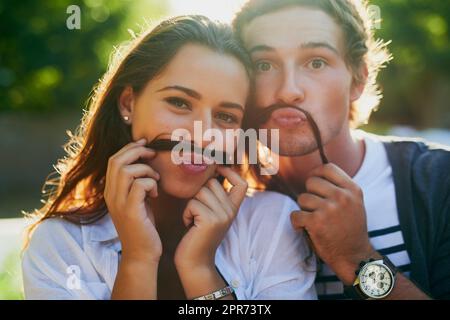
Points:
(56, 231)
(60, 231)
(58, 252)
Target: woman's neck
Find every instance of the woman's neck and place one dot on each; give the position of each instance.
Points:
(168, 213)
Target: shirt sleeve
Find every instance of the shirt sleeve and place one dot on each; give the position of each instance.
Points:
(282, 265)
(54, 265)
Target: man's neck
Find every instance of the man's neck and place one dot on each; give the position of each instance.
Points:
(345, 150)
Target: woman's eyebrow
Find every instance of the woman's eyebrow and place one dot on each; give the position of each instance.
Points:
(198, 96)
(232, 105)
(192, 93)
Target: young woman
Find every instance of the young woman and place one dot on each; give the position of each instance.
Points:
(125, 222)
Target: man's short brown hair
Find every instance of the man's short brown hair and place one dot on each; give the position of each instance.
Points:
(360, 44)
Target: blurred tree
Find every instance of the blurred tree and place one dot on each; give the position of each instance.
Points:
(44, 66)
(416, 84)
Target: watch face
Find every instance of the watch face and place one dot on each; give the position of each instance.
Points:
(376, 280)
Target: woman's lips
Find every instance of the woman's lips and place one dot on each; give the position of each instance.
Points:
(194, 164)
(193, 168)
(288, 117)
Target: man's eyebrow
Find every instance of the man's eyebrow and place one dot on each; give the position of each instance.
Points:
(192, 93)
(232, 105)
(314, 45)
(307, 45)
(260, 47)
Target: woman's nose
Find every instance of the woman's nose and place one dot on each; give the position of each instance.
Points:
(204, 130)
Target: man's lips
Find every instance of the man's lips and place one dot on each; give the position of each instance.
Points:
(288, 117)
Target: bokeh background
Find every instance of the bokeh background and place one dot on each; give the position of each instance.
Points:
(47, 72)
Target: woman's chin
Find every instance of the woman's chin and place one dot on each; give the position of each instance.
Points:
(184, 186)
(181, 190)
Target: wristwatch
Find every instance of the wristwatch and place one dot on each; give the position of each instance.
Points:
(375, 280)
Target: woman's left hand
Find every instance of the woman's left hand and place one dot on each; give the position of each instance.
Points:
(211, 213)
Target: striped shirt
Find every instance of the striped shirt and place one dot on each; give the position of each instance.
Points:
(375, 179)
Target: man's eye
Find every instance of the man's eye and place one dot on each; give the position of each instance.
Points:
(178, 103)
(263, 66)
(317, 64)
(228, 118)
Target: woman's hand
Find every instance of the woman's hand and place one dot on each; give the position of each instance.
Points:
(127, 186)
(210, 213)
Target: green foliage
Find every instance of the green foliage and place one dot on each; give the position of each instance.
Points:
(11, 278)
(44, 66)
(417, 82)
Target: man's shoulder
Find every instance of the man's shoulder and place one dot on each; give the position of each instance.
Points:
(425, 163)
(415, 151)
(418, 152)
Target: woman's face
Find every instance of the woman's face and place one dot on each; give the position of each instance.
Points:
(198, 84)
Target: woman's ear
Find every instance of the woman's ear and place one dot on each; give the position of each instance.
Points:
(126, 104)
(359, 83)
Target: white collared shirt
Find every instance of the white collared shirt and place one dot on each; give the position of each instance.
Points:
(262, 256)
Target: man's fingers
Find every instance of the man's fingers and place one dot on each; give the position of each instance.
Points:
(333, 174)
(309, 202)
(239, 186)
(301, 219)
(320, 187)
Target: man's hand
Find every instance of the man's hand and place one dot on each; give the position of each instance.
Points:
(333, 214)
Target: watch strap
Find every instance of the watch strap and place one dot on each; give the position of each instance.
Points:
(354, 292)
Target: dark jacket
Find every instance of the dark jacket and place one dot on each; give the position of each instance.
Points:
(421, 173)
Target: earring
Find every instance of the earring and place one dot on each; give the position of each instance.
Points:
(126, 118)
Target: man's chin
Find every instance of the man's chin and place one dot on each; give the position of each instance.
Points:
(296, 148)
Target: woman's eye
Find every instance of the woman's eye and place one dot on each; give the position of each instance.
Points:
(178, 103)
(263, 66)
(317, 64)
(228, 118)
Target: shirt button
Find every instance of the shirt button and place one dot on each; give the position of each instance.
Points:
(235, 283)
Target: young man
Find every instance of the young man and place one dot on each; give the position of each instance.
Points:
(378, 215)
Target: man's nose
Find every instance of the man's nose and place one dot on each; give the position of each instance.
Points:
(290, 91)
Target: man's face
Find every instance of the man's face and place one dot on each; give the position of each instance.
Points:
(298, 53)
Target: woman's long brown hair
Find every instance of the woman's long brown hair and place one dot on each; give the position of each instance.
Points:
(76, 194)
